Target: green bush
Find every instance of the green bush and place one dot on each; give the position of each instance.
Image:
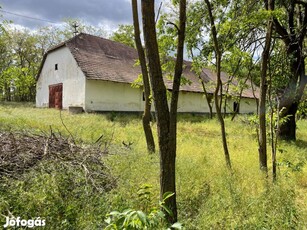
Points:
(137, 219)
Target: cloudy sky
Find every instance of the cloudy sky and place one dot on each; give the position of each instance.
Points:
(108, 13)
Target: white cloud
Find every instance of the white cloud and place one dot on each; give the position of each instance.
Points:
(91, 11)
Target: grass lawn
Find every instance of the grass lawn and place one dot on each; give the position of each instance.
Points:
(209, 197)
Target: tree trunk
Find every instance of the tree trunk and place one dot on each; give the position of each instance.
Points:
(273, 123)
(293, 36)
(262, 141)
(166, 119)
(287, 128)
(230, 78)
(177, 74)
(218, 89)
(292, 95)
(146, 115)
(208, 98)
(7, 90)
(224, 99)
(174, 102)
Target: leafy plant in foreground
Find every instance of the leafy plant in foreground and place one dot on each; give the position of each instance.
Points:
(136, 219)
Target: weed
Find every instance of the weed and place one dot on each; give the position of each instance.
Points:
(209, 197)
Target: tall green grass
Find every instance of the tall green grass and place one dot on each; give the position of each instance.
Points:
(209, 196)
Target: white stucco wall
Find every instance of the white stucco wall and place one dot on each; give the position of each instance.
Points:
(192, 102)
(197, 103)
(111, 96)
(248, 105)
(68, 73)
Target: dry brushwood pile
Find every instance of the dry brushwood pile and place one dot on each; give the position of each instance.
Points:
(21, 152)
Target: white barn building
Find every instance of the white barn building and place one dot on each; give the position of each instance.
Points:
(96, 74)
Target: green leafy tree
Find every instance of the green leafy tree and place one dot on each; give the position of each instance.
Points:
(23, 68)
(124, 34)
(20, 59)
(22, 52)
(5, 61)
(50, 36)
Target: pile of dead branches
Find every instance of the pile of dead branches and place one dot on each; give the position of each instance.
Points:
(21, 152)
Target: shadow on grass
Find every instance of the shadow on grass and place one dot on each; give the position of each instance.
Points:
(17, 104)
(302, 144)
(192, 117)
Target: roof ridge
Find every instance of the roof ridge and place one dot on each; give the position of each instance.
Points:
(61, 44)
(105, 39)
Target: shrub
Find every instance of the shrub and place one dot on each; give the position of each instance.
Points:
(54, 179)
(136, 219)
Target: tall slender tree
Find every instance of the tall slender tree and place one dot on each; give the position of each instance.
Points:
(218, 88)
(166, 117)
(269, 5)
(146, 84)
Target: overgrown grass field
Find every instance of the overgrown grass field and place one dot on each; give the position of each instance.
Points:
(209, 196)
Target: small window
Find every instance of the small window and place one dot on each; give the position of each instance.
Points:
(56, 66)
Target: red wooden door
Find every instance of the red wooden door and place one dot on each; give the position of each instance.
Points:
(55, 96)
